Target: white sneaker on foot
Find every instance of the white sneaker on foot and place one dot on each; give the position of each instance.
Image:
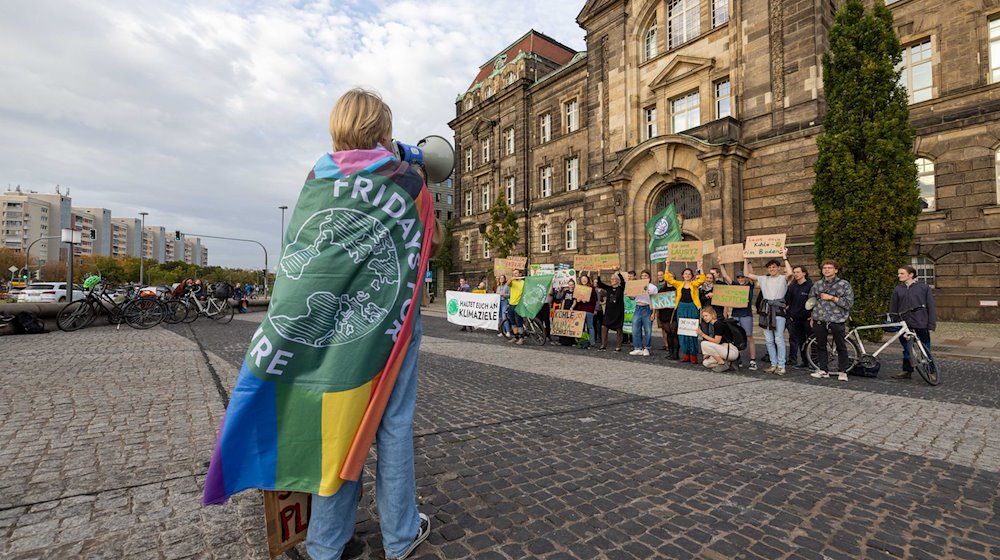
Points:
(819, 374)
(842, 376)
(636, 352)
(645, 351)
(424, 531)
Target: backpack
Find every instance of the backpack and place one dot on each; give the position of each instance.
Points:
(222, 290)
(26, 322)
(736, 333)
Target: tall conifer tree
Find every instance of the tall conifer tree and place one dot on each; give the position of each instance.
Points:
(866, 195)
(502, 232)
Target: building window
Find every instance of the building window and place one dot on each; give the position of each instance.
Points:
(468, 104)
(467, 248)
(915, 72)
(682, 22)
(649, 45)
(571, 235)
(486, 248)
(545, 128)
(511, 77)
(485, 198)
(509, 190)
(572, 174)
(468, 160)
(685, 112)
(650, 122)
(925, 178)
(489, 91)
(468, 204)
(723, 99)
(925, 269)
(450, 199)
(545, 186)
(437, 197)
(572, 121)
(995, 50)
(543, 238)
(720, 12)
(486, 151)
(508, 137)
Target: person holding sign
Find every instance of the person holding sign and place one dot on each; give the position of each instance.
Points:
(614, 310)
(642, 324)
(516, 321)
(772, 311)
(588, 307)
(743, 314)
(503, 290)
(718, 340)
(688, 307)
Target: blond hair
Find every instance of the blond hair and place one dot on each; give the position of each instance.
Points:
(360, 120)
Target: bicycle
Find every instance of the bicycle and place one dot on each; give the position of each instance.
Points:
(137, 312)
(219, 310)
(534, 329)
(920, 359)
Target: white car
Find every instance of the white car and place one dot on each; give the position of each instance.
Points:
(48, 292)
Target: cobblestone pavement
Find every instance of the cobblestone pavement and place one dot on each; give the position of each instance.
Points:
(548, 452)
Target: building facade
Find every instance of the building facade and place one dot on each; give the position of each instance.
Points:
(715, 106)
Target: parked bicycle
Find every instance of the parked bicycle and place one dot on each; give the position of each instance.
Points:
(137, 312)
(533, 329)
(215, 306)
(920, 358)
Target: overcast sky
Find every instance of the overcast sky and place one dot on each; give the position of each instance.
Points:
(208, 114)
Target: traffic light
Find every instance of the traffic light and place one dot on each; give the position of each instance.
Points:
(38, 274)
(177, 234)
(24, 276)
(93, 233)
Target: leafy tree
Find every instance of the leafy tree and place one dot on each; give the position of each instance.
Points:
(866, 195)
(9, 258)
(502, 233)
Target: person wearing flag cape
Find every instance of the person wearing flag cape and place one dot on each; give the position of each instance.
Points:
(334, 364)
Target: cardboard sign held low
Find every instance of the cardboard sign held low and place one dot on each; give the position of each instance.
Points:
(568, 323)
(582, 293)
(764, 246)
(286, 515)
(730, 296)
(729, 253)
(666, 300)
(684, 251)
(635, 288)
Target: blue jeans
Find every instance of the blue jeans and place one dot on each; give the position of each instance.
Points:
(775, 340)
(588, 327)
(924, 335)
(504, 304)
(642, 328)
(332, 522)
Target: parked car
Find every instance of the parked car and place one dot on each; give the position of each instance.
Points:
(48, 292)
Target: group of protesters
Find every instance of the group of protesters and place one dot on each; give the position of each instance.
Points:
(784, 297)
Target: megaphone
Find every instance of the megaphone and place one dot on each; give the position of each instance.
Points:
(434, 153)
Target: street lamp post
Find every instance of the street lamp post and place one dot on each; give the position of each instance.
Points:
(142, 244)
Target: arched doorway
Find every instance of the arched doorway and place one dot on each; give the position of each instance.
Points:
(686, 199)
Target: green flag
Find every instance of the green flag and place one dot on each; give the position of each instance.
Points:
(536, 288)
(663, 229)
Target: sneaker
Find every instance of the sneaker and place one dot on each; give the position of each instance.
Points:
(779, 371)
(903, 375)
(520, 340)
(770, 369)
(645, 351)
(499, 334)
(721, 368)
(636, 352)
(513, 338)
(842, 376)
(425, 530)
(819, 374)
(753, 365)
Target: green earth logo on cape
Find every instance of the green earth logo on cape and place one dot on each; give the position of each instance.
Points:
(452, 307)
(662, 228)
(370, 291)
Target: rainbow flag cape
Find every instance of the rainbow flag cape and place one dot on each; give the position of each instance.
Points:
(320, 369)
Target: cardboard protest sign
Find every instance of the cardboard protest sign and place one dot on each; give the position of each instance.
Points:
(665, 300)
(635, 287)
(729, 253)
(595, 262)
(562, 277)
(473, 310)
(508, 266)
(541, 269)
(684, 251)
(582, 293)
(687, 327)
(708, 247)
(286, 516)
(764, 245)
(568, 323)
(730, 296)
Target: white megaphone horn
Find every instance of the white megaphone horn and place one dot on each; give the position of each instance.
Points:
(434, 153)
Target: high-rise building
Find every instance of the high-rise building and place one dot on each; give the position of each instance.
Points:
(125, 237)
(101, 244)
(29, 217)
(155, 245)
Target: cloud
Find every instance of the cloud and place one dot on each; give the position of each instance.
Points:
(209, 114)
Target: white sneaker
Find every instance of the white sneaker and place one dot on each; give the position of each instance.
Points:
(842, 376)
(500, 333)
(645, 351)
(636, 352)
(423, 531)
(819, 374)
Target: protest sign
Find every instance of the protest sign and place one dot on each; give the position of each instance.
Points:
(764, 245)
(508, 266)
(582, 293)
(595, 262)
(708, 247)
(562, 277)
(635, 287)
(730, 296)
(666, 300)
(684, 251)
(286, 516)
(541, 269)
(687, 327)
(729, 253)
(473, 310)
(568, 323)
(662, 229)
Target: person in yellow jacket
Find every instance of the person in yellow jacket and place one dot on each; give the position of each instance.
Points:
(516, 321)
(688, 307)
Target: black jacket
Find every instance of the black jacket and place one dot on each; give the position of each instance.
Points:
(796, 298)
(905, 298)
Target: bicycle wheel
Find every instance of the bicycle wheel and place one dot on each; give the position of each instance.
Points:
(535, 331)
(143, 313)
(923, 363)
(192, 311)
(221, 311)
(75, 316)
(175, 312)
(812, 352)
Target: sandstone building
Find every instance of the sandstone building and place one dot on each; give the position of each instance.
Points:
(715, 105)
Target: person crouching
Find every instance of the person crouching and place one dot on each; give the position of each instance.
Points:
(717, 343)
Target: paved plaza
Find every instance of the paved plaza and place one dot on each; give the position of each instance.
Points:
(522, 452)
